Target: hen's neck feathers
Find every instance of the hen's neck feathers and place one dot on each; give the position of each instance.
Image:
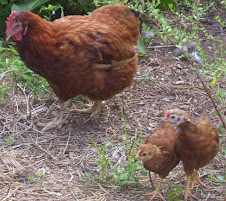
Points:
(36, 25)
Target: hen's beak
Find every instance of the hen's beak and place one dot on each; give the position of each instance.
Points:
(8, 36)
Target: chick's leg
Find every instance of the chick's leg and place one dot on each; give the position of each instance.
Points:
(157, 192)
(188, 190)
(94, 110)
(58, 120)
(195, 178)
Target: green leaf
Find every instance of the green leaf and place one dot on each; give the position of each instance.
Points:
(221, 178)
(4, 2)
(168, 5)
(141, 47)
(30, 5)
(213, 82)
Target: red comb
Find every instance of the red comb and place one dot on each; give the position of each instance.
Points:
(167, 113)
(9, 21)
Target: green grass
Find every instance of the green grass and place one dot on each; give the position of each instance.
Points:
(13, 72)
(111, 172)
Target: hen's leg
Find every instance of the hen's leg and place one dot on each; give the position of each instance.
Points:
(94, 110)
(157, 192)
(188, 190)
(195, 178)
(58, 120)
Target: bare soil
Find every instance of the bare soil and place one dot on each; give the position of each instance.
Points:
(66, 155)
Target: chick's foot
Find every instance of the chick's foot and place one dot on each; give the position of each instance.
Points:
(157, 192)
(154, 195)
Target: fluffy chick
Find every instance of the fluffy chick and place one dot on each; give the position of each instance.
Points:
(158, 153)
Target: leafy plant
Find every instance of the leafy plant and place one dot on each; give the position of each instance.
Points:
(50, 11)
(121, 174)
(14, 72)
(103, 162)
(9, 140)
(174, 195)
(30, 5)
(31, 178)
(7, 6)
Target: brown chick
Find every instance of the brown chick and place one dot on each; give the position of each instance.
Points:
(197, 144)
(158, 153)
(93, 55)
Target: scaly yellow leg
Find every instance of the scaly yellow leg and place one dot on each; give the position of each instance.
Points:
(195, 178)
(157, 192)
(188, 191)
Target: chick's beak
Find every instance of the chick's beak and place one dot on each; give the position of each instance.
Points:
(136, 158)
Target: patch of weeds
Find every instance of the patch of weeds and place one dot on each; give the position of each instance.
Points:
(13, 72)
(31, 178)
(50, 10)
(224, 150)
(9, 140)
(220, 130)
(174, 195)
(218, 179)
(41, 175)
(221, 22)
(148, 80)
(222, 178)
(120, 174)
(103, 162)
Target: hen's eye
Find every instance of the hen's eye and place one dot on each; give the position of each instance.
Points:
(144, 154)
(173, 117)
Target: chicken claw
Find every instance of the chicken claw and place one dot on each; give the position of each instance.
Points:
(57, 121)
(157, 192)
(94, 110)
(195, 178)
(188, 190)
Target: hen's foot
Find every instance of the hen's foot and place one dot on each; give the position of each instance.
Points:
(188, 191)
(189, 194)
(93, 110)
(57, 121)
(195, 178)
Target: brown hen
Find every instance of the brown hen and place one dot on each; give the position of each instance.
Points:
(158, 153)
(94, 55)
(197, 144)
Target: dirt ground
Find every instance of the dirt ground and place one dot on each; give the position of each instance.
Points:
(162, 82)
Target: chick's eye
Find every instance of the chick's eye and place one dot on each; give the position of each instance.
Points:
(144, 154)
